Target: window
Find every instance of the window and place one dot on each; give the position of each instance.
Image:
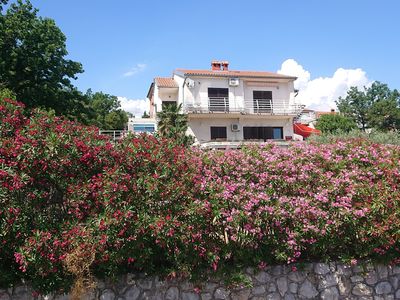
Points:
(262, 133)
(262, 101)
(218, 133)
(218, 99)
(143, 128)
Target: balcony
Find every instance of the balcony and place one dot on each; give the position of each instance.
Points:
(250, 106)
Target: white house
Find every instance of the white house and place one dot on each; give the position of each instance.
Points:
(227, 107)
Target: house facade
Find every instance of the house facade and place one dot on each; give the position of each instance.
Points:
(227, 107)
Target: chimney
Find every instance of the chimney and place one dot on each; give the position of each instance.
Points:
(219, 65)
(216, 65)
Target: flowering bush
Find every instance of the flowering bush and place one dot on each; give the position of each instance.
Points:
(145, 204)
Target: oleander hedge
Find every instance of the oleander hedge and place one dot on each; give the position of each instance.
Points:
(73, 203)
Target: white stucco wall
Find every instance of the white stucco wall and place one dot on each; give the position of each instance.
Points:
(198, 95)
(200, 127)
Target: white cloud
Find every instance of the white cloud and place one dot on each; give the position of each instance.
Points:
(134, 106)
(320, 93)
(136, 69)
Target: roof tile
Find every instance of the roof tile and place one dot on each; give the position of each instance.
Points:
(165, 82)
(255, 74)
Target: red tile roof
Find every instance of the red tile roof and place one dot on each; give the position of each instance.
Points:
(165, 82)
(254, 74)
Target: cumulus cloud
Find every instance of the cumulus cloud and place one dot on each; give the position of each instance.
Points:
(134, 106)
(136, 69)
(320, 93)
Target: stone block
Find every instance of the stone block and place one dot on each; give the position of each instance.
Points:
(331, 293)
(383, 288)
(258, 290)
(327, 281)
(308, 290)
(293, 287)
(190, 296)
(371, 277)
(240, 295)
(361, 289)
(132, 292)
(262, 277)
(274, 296)
(172, 293)
(282, 285)
(221, 293)
(321, 268)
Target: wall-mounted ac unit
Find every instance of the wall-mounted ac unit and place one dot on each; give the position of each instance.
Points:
(235, 127)
(190, 83)
(233, 81)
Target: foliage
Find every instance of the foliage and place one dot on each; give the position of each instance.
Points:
(374, 136)
(374, 107)
(334, 123)
(75, 204)
(33, 66)
(173, 124)
(145, 115)
(32, 60)
(106, 112)
(6, 93)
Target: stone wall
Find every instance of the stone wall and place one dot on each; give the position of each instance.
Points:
(313, 281)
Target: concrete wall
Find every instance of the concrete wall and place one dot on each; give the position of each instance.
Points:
(313, 281)
(198, 95)
(200, 127)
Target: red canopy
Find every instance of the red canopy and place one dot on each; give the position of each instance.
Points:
(304, 130)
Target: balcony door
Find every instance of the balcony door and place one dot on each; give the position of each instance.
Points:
(262, 101)
(218, 99)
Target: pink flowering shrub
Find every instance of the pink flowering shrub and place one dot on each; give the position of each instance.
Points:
(146, 204)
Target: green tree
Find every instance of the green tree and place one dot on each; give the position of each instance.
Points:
(335, 123)
(385, 115)
(33, 63)
(105, 111)
(173, 124)
(362, 105)
(145, 115)
(6, 93)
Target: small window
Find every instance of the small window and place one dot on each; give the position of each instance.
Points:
(218, 133)
(143, 128)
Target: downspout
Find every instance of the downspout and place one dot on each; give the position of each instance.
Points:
(183, 90)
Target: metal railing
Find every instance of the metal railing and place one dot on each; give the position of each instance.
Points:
(115, 135)
(247, 106)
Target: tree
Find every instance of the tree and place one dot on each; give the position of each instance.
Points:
(145, 115)
(385, 115)
(363, 105)
(33, 63)
(6, 93)
(105, 111)
(335, 123)
(173, 124)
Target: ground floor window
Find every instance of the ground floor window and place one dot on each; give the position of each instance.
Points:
(143, 128)
(262, 133)
(218, 132)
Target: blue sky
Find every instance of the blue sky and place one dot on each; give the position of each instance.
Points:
(124, 44)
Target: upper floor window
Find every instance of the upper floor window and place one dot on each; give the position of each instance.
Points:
(262, 101)
(218, 99)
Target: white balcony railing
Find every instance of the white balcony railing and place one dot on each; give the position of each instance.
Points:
(248, 106)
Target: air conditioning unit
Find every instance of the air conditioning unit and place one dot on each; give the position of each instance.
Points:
(233, 81)
(190, 83)
(235, 127)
